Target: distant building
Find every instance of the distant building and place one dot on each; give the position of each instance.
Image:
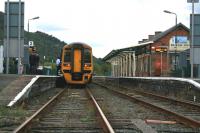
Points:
(156, 56)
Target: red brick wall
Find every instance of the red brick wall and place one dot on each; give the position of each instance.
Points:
(166, 67)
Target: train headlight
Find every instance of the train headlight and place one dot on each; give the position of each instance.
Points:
(87, 65)
(67, 64)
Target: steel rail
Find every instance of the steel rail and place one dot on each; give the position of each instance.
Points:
(187, 103)
(105, 123)
(28, 122)
(182, 119)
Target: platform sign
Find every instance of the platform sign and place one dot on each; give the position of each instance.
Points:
(192, 1)
(14, 20)
(31, 43)
(196, 29)
(15, 35)
(13, 47)
(196, 47)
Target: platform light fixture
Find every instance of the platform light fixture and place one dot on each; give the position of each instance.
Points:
(32, 19)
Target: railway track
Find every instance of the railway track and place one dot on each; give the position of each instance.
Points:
(183, 112)
(186, 108)
(120, 112)
(13, 117)
(69, 111)
(73, 112)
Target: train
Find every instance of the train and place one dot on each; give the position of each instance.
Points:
(76, 64)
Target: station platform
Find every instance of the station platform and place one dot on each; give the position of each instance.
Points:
(11, 85)
(197, 80)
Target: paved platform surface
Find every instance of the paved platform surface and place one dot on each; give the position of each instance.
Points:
(11, 85)
(5, 80)
(197, 80)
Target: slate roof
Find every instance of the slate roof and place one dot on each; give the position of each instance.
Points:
(169, 31)
(154, 39)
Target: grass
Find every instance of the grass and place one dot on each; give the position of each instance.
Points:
(12, 112)
(11, 116)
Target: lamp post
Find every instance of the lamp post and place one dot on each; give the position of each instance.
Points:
(169, 12)
(32, 19)
(28, 31)
(28, 26)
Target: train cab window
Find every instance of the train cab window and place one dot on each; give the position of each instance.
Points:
(87, 56)
(67, 55)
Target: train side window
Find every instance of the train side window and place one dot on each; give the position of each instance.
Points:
(87, 56)
(67, 56)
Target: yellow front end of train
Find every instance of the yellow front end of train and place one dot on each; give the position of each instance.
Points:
(77, 64)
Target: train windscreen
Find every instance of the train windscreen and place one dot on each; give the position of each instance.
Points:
(87, 56)
(67, 56)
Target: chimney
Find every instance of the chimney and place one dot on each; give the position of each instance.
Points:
(140, 42)
(157, 32)
(151, 37)
(144, 40)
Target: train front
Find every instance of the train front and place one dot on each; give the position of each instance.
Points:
(77, 64)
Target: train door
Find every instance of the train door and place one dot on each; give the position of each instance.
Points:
(77, 60)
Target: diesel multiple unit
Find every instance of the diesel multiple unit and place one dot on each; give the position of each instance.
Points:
(76, 63)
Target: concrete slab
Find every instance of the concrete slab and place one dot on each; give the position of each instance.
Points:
(197, 80)
(11, 85)
(38, 85)
(6, 79)
(143, 126)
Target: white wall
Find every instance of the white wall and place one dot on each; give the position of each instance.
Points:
(1, 59)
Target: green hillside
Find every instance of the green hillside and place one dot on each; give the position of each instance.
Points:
(50, 47)
(46, 45)
(101, 68)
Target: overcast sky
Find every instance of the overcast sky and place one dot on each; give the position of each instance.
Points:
(104, 24)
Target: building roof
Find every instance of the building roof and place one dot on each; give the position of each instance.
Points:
(156, 37)
(164, 33)
(170, 30)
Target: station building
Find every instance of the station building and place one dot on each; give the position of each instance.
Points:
(156, 56)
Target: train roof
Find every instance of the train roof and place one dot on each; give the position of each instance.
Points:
(77, 44)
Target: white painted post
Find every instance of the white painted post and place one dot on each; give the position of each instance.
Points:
(121, 67)
(126, 65)
(134, 64)
(130, 62)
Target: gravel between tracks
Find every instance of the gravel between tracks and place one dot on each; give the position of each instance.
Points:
(74, 113)
(11, 118)
(124, 109)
